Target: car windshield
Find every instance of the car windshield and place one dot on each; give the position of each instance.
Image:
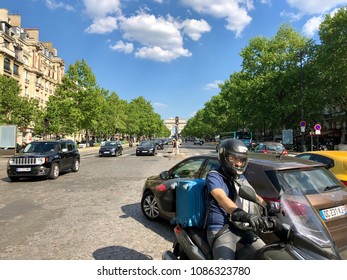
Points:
(39, 147)
(146, 144)
(310, 181)
(109, 143)
(275, 147)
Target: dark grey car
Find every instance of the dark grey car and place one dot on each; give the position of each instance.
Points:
(146, 148)
(111, 148)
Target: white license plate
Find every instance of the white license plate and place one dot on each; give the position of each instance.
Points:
(23, 169)
(106, 152)
(330, 213)
(144, 151)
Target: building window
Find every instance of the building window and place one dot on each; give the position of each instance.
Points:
(7, 65)
(16, 69)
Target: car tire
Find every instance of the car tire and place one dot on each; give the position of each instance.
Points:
(149, 206)
(14, 179)
(76, 165)
(55, 170)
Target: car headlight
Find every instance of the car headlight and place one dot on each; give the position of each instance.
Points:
(40, 160)
(12, 161)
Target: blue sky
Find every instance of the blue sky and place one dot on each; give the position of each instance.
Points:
(172, 52)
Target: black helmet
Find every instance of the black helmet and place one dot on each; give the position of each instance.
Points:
(233, 157)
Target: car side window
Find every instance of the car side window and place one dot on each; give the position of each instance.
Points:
(327, 161)
(188, 169)
(69, 147)
(63, 145)
(211, 165)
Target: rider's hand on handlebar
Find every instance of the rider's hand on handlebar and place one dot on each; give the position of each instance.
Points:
(272, 211)
(274, 224)
(255, 221)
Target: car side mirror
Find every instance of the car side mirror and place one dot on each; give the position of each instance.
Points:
(164, 175)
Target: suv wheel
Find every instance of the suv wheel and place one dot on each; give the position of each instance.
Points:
(76, 165)
(149, 206)
(54, 171)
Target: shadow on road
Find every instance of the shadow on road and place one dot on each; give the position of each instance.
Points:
(164, 228)
(119, 253)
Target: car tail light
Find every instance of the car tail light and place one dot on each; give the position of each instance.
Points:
(177, 230)
(265, 152)
(161, 188)
(344, 182)
(285, 152)
(298, 208)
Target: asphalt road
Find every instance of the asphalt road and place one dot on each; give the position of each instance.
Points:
(92, 214)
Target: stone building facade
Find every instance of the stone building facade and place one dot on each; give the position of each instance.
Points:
(33, 64)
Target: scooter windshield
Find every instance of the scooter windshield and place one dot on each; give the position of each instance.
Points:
(303, 219)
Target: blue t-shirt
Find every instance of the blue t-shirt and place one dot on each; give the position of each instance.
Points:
(217, 217)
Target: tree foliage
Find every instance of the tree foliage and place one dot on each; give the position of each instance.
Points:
(15, 109)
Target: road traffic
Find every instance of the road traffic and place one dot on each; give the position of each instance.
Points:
(92, 214)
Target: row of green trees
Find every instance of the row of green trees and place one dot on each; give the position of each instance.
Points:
(80, 106)
(283, 80)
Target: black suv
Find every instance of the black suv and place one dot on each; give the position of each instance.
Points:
(44, 159)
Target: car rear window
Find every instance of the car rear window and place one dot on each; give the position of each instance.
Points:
(310, 181)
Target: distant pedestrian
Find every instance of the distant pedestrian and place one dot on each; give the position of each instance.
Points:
(175, 147)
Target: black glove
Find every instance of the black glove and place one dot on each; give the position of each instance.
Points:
(276, 224)
(255, 221)
(272, 211)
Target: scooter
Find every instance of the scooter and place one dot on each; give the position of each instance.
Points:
(300, 234)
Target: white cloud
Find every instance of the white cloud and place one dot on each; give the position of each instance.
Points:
(194, 28)
(312, 26)
(213, 85)
(162, 55)
(103, 25)
(120, 46)
(159, 105)
(311, 7)
(52, 4)
(155, 37)
(291, 16)
(161, 38)
(102, 8)
(235, 12)
(152, 31)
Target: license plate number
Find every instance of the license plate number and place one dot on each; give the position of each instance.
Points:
(23, 169)
(331, 213)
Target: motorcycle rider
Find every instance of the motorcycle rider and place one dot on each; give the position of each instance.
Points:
(225, 205)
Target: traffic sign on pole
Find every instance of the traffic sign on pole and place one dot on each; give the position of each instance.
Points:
(317, 127)
(302, 123)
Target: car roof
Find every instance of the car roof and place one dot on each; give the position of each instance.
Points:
(270, 143)
(334, 153)
(51, 141)
(273, 162)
